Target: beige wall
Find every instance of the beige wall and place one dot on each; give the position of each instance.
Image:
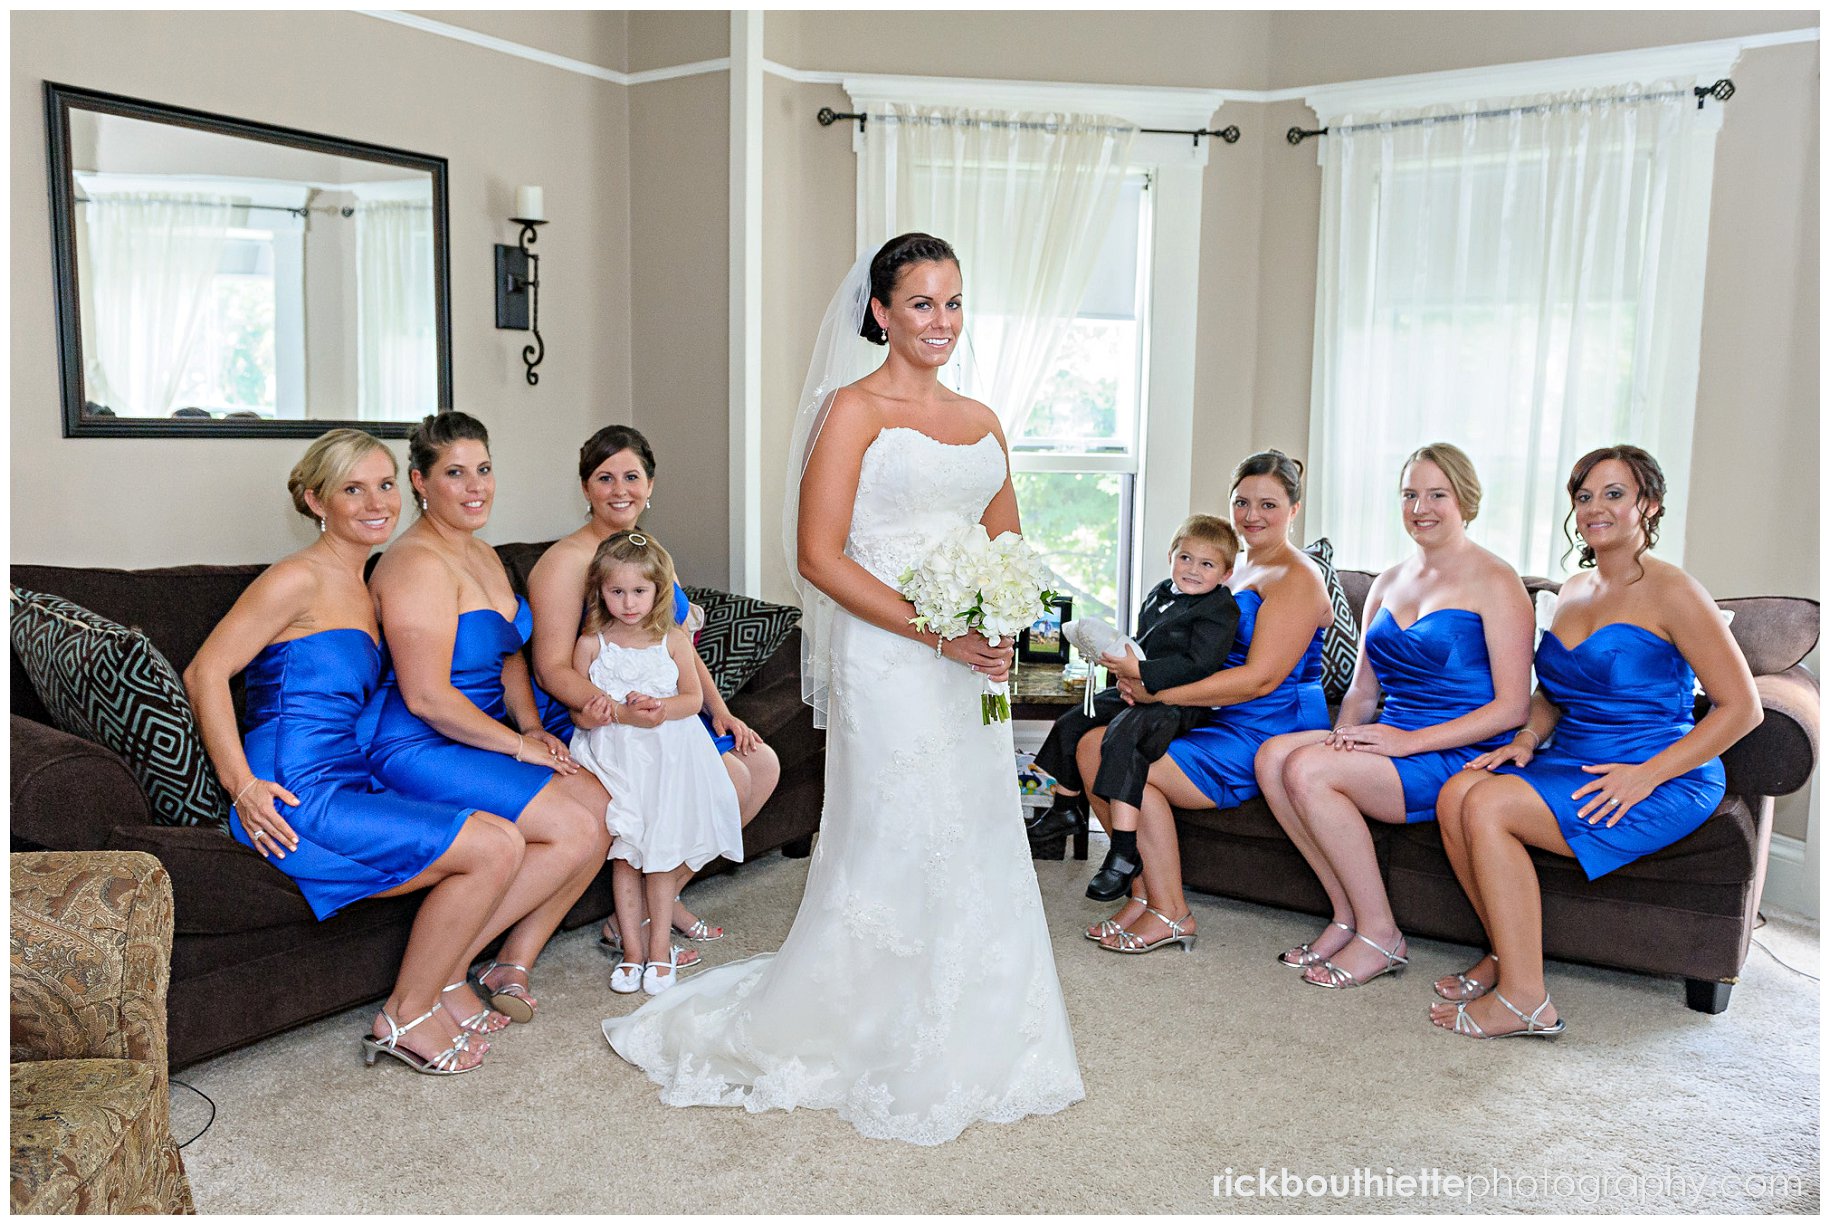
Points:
(679, 308)
(140, 503)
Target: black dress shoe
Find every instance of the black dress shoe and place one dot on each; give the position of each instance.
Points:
(1113, 880)
(1058, 820)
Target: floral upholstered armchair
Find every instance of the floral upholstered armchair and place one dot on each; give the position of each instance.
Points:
(91, 956)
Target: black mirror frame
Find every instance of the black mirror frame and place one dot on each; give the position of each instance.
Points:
(59, 101)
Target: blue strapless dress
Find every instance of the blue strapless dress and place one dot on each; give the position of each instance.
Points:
(1626, 695)
(410, 755)
(726, 742)
(304, 696)
(1217, 756)
(1434, 671)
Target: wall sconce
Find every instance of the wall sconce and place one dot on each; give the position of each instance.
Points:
(518, 278)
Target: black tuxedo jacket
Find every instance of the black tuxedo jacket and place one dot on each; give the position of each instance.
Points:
(1187, 637)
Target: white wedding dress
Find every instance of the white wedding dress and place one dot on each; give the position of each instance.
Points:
(916, 992)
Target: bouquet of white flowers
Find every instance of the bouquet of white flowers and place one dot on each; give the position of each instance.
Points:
(972, 582)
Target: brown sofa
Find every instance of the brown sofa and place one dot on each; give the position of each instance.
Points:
(1686, 911)
(248, 957)
(91, 1126)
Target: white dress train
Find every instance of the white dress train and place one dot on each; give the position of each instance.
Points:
(916, 992)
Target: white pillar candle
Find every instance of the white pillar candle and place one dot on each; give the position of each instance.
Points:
(528, 204)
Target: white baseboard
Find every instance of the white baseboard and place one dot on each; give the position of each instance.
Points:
(1791, 877)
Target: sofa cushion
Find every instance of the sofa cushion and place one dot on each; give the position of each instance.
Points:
(218, 885)
(1341, 644)
(175, 606)
(739, 634)
(107, 683)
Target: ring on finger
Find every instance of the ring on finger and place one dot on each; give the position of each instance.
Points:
(257, 835)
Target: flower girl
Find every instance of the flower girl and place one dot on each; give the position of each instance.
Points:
(672, 806)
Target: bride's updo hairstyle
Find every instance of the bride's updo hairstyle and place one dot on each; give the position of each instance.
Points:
(607, 442)
(434, 433)
(330, 458)
(644, 552)
(886, 269)
(1289, 472)
(1646, 474)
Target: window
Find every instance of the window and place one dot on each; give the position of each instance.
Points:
(1523, 282)
(1076, 459)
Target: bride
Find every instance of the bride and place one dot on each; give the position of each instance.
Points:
(916, 992)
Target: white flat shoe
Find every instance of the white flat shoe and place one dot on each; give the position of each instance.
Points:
(626, 979)
(653, 981)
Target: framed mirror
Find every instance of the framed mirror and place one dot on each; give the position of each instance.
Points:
(217, 277)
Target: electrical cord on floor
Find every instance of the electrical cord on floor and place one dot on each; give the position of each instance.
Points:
(1782, 961)
(206, 1097)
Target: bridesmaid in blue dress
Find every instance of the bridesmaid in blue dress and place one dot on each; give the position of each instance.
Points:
(1448, 644)
(1610, 766)
(457, 720)
(1272, 684)
(616, 468)
(304, 635)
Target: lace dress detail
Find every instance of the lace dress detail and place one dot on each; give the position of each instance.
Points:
(916, 993)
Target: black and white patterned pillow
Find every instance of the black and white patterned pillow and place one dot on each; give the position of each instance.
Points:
(109, 684)
(1341, 642)
(739, 635)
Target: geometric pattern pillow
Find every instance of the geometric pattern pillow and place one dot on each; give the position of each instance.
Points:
(739, 635)
(110, 685)
(1341, 641)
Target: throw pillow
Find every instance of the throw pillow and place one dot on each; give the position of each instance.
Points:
(109, 684)
(739, 635)
(1341, 642)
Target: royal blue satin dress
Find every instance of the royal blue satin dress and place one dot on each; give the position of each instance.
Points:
(726, 742)
(304, 697)
(407, 753)
(1626, 695)
(1431, 672)
(1217, 756)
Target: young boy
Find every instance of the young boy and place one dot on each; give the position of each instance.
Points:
(1184, 632)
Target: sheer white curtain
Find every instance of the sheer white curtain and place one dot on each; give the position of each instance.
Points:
(396, 364)
(1523, 278)
(150, 264)
(1025, 198)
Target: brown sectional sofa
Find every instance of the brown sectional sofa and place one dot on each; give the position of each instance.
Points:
(248, 958)
(1686, 911)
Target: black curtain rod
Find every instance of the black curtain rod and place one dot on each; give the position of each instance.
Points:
(1230, 134)
(1721, 91)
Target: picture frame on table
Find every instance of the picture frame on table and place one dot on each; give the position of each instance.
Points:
(1043, 642)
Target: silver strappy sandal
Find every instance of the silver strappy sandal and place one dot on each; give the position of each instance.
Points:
(445, 1063)
(1468, 1027)
(511, 1001)
(1468, 989)
(477, 1022)
(1111, 927)
(1131, 942)
(1305, 955)
(1336, 979)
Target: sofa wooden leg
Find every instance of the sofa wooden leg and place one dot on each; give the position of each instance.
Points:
(1702, 995)
(798, 848)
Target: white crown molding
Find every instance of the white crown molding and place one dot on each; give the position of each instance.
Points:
(1146, 106)
(490, 43)
(1171, 106)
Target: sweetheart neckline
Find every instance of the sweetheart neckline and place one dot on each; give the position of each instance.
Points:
(1405, 629)
(1571, 650)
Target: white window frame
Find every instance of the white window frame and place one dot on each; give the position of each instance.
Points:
(1177, 166)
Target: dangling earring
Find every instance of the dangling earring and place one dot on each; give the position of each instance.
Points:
(320, 525)
(422, 501)
(648, 505)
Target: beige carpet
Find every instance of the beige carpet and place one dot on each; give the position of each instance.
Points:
(1194, 1064)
